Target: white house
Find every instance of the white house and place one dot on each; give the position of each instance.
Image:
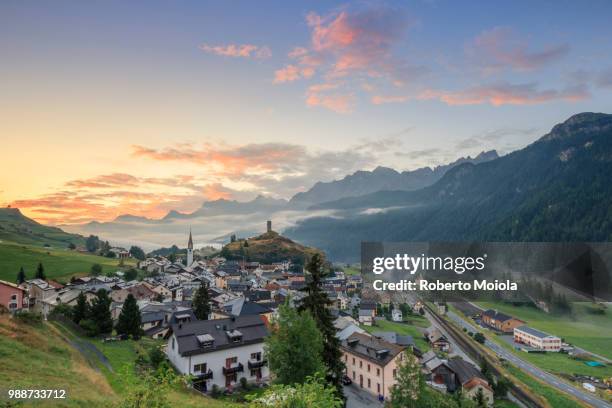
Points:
(220, 351)
(396, 315)
(536, 339)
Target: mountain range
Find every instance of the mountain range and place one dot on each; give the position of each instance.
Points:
(556, 189)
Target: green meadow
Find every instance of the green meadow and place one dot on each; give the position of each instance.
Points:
(584, 329)
(59, 263)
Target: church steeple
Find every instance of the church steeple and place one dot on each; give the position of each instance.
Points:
(190, 250)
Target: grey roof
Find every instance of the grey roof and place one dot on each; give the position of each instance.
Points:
(252, 328)
(365, 312)
(494, 314)
(152, 317)
(371, 348)
(395, 338)
(534, 332)
(464, 370)
(242, 307)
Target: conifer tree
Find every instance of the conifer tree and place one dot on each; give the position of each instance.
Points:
(40, 272)
(100, 312)
(317, 302)
(201, 302)
(21, 276)
(81, 309)
(129, 319)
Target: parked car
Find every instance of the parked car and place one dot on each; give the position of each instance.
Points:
(346, 380)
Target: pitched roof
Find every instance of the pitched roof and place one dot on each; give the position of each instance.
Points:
(252, 328)
(464, 370)
(395, 338)
(374, 349)
(494, 314)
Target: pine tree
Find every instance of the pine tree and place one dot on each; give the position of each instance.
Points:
(201, 302)
(40, 272)
(317, 302)
(21, 276)
(129, 319)
(294, 331)
(100, 312)
(408, 389)
(81, 309)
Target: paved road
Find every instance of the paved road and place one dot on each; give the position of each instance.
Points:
(358, 398)
(533, 370)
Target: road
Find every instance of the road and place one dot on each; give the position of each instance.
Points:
(533, 370)
(359, 398)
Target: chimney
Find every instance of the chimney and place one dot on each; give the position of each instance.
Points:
(269, 226)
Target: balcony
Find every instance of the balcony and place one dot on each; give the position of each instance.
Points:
(234, 368)
(256, 363)
(208, 375)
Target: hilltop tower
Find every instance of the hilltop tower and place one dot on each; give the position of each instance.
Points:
(269, 226)
(190, 249)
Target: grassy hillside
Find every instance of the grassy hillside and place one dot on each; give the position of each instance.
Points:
(267, 248)
(40, 358)
(59, 264)
(16, 227)
(584, 329)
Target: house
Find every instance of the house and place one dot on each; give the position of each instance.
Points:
(536, 339)
(346, 326)
(219, 352)
(456, 375)
(371, 362)
(396, 315)
(242, 307)
(437, 340)
(470, 380)
(140, 292)
(12, 297)
(500, 321)
(366, 316)
(39, 291)
(395, 338)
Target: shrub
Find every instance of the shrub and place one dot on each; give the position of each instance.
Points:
(479, 337)
(244, 384)
(89, 326)
(29, 318)
(215, 392)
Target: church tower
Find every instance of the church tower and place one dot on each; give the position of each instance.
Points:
(190, 249)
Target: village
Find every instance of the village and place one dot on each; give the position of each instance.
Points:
(224, 350)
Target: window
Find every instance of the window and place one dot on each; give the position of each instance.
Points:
(369, 383)
(394, 372)
(353, 375)
(353, 360)
(378, 388)
(13, 297)
(378, 372)
(200, 368)
(360, 364)
(230, 361)
(368, 368)
(256, 356)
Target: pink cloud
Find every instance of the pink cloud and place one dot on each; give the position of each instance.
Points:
(238, 50)
(382, 99)
(500, 48)
(506, 94)
(320, 95)
(345, 47)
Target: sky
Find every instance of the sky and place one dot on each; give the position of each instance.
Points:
(110, 108)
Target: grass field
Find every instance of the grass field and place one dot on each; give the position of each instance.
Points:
(59, 263)
(586, 330)
(39, 358)
(414, 330)
(556, 399)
